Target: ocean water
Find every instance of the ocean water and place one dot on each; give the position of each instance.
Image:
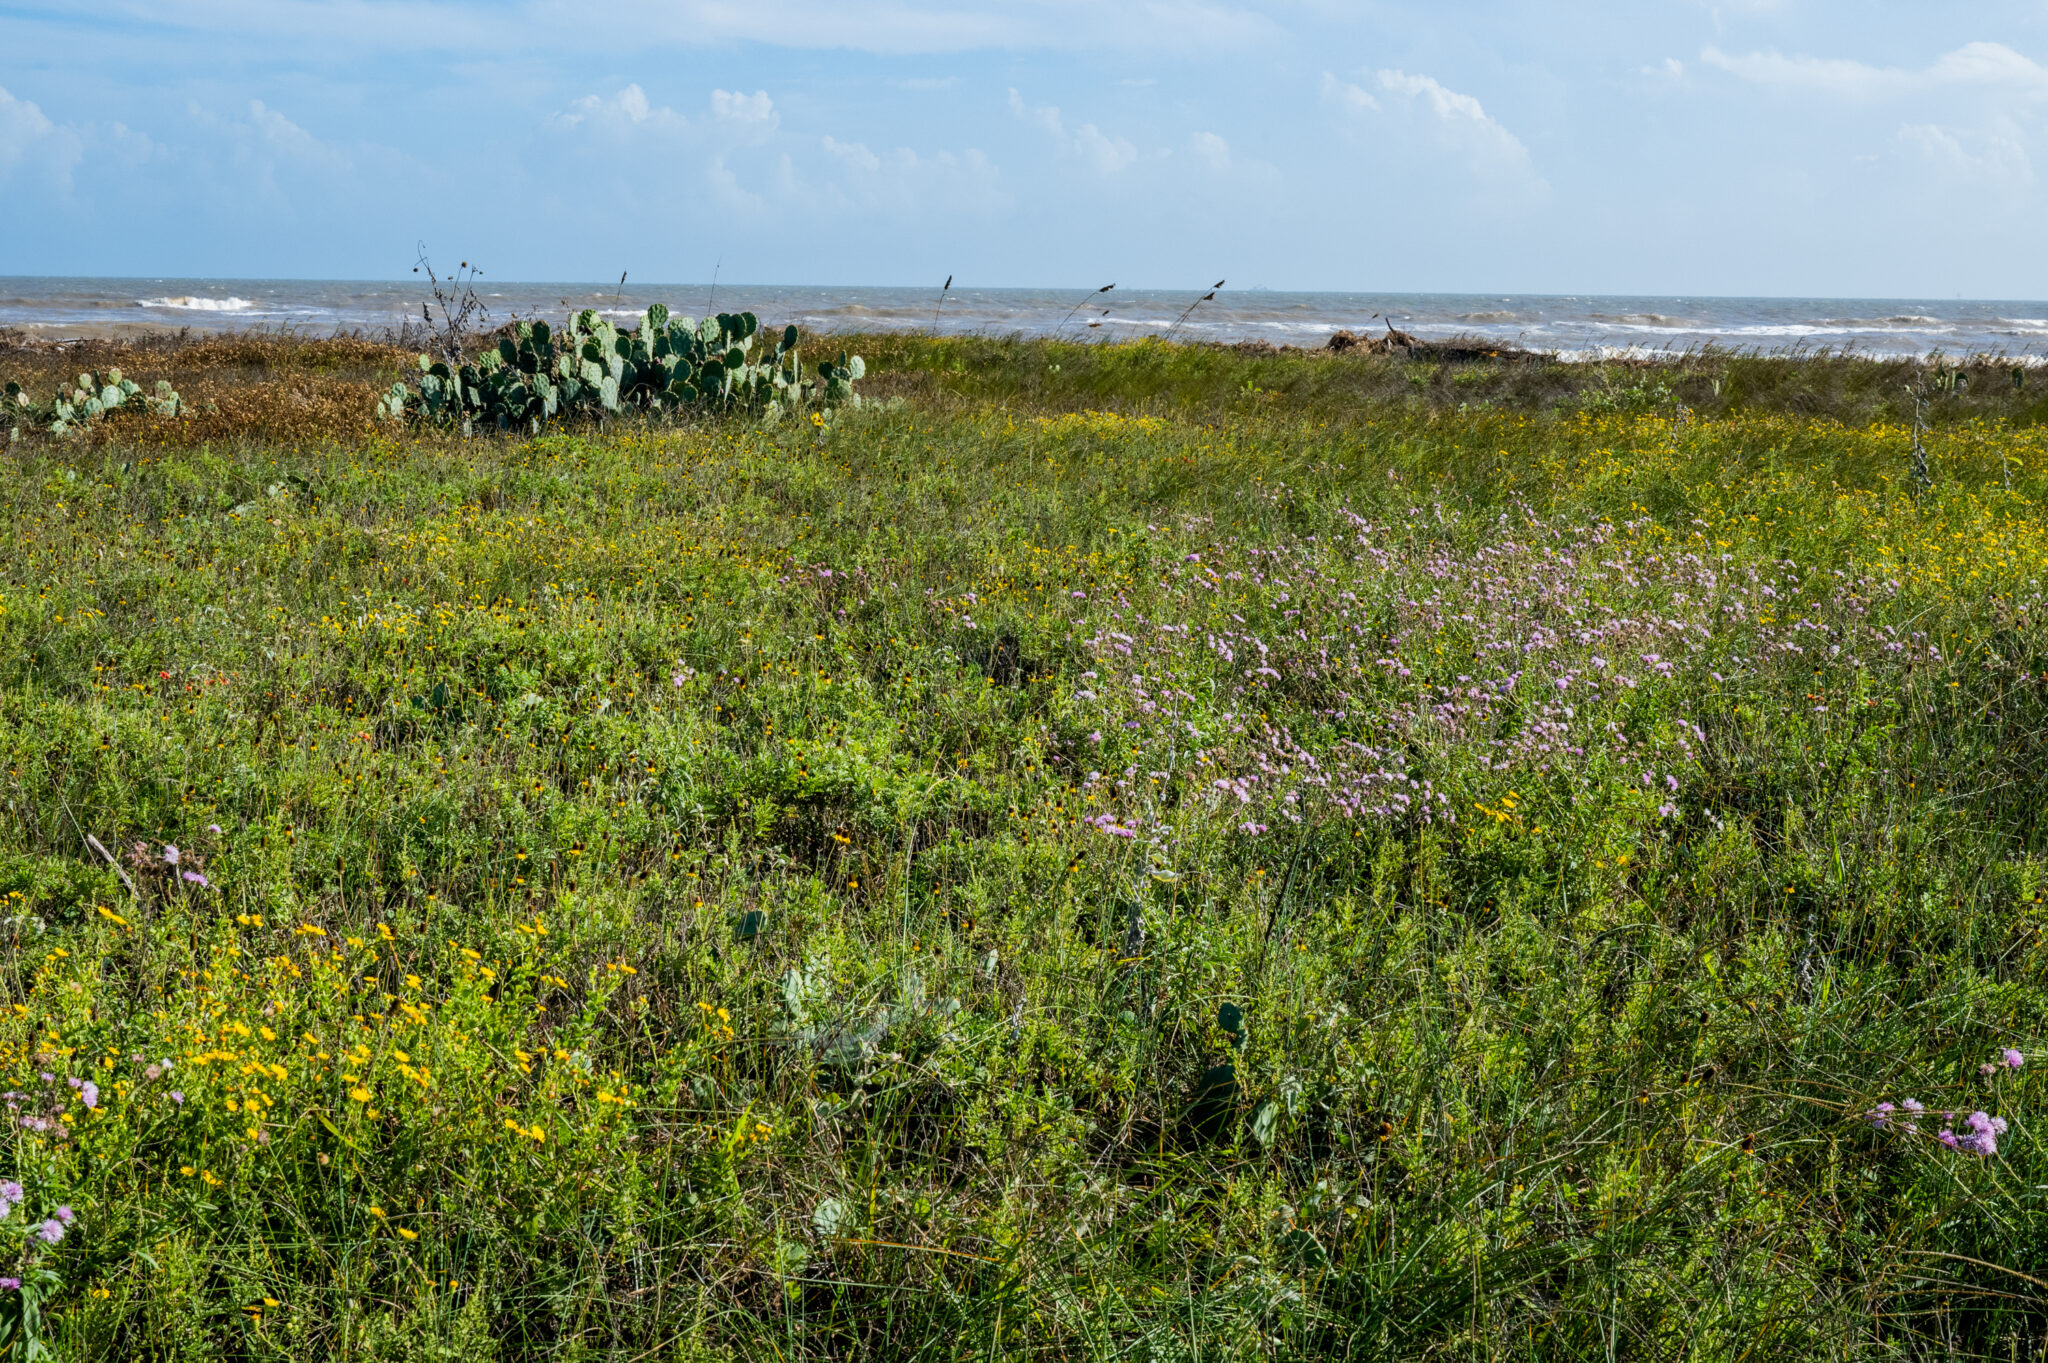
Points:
(1577, 326)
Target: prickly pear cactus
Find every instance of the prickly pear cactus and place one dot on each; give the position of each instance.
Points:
(87, 400)
(667, 364)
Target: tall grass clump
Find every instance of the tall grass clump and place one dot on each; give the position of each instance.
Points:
(1147, 869)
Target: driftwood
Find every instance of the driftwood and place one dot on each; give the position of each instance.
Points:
(95, 844)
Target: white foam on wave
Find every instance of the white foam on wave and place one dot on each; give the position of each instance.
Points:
(189, 304)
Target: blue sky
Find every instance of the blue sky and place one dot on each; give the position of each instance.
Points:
(1809, 147)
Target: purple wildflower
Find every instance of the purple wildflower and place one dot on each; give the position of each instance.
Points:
(90, 1092)
(66, 1215)
(50, 1232)
(214, 829)
(10, 1284)
(11, 1191)
(75, 1082)
(170, 854)
(176, 1096)
(1982, 1136)
(196, 879)
(2013, 1059)
(1881, 1115)
(1946, 1137)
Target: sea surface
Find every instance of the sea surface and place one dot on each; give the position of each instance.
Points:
(1575, 326)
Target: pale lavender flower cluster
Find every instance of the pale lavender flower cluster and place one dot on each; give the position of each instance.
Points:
(1425, 668)
(1980, 1130)
(1979, 1135)
(47, 1231)
(1882, 1115)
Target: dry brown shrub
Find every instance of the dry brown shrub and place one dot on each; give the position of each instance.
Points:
(250, 385)
(255, 350)
(299, 408)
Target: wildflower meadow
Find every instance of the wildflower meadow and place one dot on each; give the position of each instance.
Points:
(1070, 873)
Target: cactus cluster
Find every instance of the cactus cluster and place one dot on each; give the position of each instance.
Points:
(667, 363)
(93, 396)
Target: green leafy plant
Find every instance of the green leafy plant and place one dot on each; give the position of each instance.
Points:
(666, 364)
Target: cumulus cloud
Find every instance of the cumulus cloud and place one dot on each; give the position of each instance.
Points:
(287, 138)
(1100, 151)
(853, 178)
(1212, 149)
(22, 125)
(623, 111)
(1460, 112)
(265, 138)
(1345, 96)
(905, 183)
(1445, 121)
(1996, 157)
(747, 115)
(31, 142)
(854, 154)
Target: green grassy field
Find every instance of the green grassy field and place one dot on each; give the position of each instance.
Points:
(1115, 855)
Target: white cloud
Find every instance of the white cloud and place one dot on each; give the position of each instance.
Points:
(1431, 132)
(1992, 67)
(749, 115)
(1103, 153)
(22, 124)
(1106, 154)
(856, 180)
(855, 154)
(727, 191)
(1346, 96)
(1046, 116)
(623, 111)
(287, 138)
(1463, 121)
(1212, 149)
(30, 140)
(1995, 158)
(267, 140)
